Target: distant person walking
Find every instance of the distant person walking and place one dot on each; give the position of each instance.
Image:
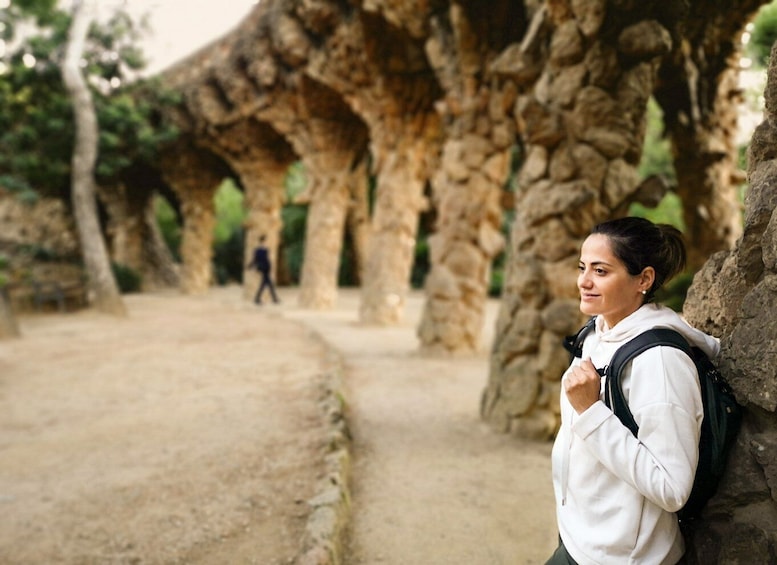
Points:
(261, 262)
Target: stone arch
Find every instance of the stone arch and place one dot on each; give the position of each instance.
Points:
(260, 156)
(380, 70)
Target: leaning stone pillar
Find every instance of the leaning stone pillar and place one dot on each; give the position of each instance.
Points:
(125, 213)
(583, 125)
(158, 266)
(323, 243)
(195, 184)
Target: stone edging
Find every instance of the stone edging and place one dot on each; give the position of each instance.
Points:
(326, 526)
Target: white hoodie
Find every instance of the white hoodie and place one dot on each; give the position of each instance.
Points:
(616, 495)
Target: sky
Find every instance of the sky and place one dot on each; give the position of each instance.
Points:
(180, 27)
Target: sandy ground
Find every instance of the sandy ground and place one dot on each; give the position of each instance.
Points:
(432, 484)
(192, 432)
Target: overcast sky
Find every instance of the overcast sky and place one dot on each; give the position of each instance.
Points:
(179, 27)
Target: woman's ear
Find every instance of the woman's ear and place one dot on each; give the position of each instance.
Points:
(647, 278)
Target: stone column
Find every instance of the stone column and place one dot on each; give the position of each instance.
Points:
(708, 174)
(468, 185)
(358, 219)
(264, 197)
(399, 198)
(324, 230)
(582, 122)
(194, 179)
(125, 209)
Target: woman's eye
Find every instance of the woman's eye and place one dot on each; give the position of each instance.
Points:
(581, 268)
(600, 272)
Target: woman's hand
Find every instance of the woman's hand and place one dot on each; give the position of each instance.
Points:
(582, 386)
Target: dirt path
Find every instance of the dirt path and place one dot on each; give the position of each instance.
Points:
(192, 433)
(188, 433)
(431, 484)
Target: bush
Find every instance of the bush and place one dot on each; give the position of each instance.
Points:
(127, 279)
(228, 258)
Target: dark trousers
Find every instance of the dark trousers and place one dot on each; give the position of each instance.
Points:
(266, 283)
(560, 556)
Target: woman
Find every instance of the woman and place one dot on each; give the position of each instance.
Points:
(616, 494)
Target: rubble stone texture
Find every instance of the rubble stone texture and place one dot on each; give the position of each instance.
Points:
(735, 296)
(584, 124)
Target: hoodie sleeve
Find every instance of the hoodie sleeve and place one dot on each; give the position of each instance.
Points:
(663, 392)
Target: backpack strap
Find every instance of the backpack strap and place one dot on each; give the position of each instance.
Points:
(613, 390)
(574, 343)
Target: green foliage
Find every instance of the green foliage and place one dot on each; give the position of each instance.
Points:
(228, 233)
(763, 35)
(127, 279)
(656, 150)
(294, 218)
(169, 225)
(228, 258)
(421, 262)
(36, 122)
(4, 264)
(668, 211)
(230, 212)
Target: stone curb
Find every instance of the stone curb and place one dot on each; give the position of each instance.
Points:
(325, 531)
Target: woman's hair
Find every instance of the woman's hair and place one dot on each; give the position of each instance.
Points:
(639, 243)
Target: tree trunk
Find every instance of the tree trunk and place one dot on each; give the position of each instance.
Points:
(104, 292)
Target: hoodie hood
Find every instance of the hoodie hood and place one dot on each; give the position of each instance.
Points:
(656, 316)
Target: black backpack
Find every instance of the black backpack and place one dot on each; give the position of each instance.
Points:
(722, 413)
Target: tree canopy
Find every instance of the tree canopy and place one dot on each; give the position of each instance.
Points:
(36, 118)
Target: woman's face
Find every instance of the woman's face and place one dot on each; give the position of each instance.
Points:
(606, 287)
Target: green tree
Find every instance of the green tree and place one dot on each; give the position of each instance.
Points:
(36, 118)
(763, 35)
(84, 197)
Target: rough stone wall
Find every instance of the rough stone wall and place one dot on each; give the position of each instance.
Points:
(734, 296)
(582, 119)
(46, 223)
